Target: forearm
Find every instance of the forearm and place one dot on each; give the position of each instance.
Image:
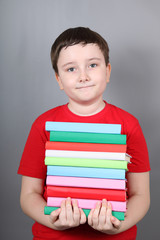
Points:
(139, 199)
(33, 205)
(137, 208)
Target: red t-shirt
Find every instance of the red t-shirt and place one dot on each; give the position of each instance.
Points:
(32, 161)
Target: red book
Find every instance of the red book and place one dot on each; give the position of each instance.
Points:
(87, 193)
(93, 147)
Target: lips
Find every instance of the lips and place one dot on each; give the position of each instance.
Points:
(84, 86)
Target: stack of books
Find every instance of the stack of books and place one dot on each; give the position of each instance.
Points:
(87, 162)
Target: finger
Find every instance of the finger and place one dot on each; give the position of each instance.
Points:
(54, 215)
(83, 218)
(115, 222)
(63, 210)
(90, 217)
(103, 211)
(76, 212)
(69, 210)
(109, 210)
(95, 217)
(109, 214)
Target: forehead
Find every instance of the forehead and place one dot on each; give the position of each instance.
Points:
(80, 52)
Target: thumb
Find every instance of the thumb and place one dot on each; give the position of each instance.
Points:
(54, 215)
(82, 217)
(115, 222)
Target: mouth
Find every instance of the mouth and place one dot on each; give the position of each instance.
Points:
(84, 86)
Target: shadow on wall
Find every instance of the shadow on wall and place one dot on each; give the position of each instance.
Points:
(134, 88)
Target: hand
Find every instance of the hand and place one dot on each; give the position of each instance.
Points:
(101, 218)
(68, 216)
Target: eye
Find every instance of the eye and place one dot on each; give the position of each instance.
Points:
(71, 69)
(93, 65)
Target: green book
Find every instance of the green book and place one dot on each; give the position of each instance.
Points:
(118, 215)
(86, 162)
(60, 136)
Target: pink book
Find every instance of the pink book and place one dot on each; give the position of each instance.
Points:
(86, 182)
(87, 203)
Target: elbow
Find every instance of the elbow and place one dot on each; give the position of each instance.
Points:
(148, 204)
(23, 203)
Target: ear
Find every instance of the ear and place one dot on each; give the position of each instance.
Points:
(59, 81)
(108, 72)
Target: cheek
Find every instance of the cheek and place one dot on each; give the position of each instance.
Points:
(99, 73)
(68, 84)
(100, 77)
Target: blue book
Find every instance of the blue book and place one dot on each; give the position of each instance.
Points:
(83, 127)
(86, 172)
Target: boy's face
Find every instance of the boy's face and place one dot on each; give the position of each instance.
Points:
(82, 73)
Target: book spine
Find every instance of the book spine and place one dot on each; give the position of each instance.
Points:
(85, 172)
(83, 127)
(86, 162)
(81, 154)
(86, 182)
(87, 193)
(58, 136)
(119, 215)
(93, 147)
(86, 203)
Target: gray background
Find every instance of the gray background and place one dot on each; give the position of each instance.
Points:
(28, 87)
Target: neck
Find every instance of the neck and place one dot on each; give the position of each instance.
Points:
(86, 109)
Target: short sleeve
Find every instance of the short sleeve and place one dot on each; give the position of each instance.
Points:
(137, 148)
(32, 161)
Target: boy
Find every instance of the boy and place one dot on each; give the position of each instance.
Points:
(80, 58)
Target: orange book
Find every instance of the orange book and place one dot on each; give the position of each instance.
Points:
(94, 147)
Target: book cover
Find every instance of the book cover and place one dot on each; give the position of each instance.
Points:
(87, 193)
(119, 215)
(86, 203)
(60, 136)
(83, 127)
(86, 172)
(86, 162)
(85, 154)
(93, 147)
(86, 182)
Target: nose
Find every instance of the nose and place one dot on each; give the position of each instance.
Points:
(83, 76)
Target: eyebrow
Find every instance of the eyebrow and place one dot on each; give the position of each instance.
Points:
(71, 63)
(94, 58)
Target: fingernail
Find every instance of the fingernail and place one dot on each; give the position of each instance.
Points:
(68, 200)
(113, 219)
(74, 201)
(109, 205)
(98, 204)
(58, 210)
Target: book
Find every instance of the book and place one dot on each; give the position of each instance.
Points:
(87, 193)
(86, 162)
(60, 136)
(93, 147)
(85, 172)
(85, 154)
(86, 182)
(86, 203)
(83, 127)
(119, 215)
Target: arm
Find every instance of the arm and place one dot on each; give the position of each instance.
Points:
(139, 199)
(137, 206)
(33, 203)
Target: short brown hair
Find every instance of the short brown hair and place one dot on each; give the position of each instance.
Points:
(73, 36)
